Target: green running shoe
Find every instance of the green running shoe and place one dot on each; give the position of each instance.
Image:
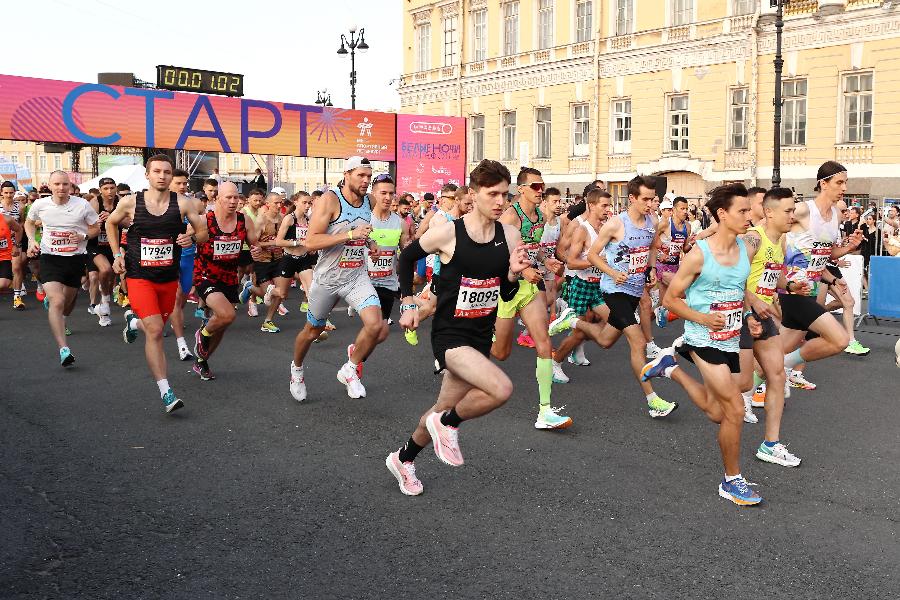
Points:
(660, 408)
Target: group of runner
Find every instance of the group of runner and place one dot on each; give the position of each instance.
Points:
(747, 288)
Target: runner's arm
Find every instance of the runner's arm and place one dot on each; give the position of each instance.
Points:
(282, 231)
(325, 209)
(595, 253)
(14, 226)
(425, 224)
(252, 234)
(195, 219)
(576, 244)
(124, 210)
(436, 239)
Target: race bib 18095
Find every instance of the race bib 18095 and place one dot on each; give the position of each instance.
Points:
(477, 297)
(734, 315)
(157, 252)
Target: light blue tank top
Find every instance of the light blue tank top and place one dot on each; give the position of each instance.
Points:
(631, 255)
(341, 263)
(718, 289)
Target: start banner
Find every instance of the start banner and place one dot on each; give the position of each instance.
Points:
(44, 110)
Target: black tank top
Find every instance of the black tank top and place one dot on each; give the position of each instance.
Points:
(470, 286)
(152, 253)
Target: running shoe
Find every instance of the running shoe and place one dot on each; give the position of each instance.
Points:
(322, 337)
(46, 304)
(578, 361)
(18, 303)
(797, 380)
(170, 402)
(199, 313)
(405, 472)
(559, 375)
(563, 322)
(193, 298)
(329, 326)
(662, 317)
(246, 290)
(549, 418)
(660, 408)
(66, 358)
(298, 384)
(445, 440)
(749, 417)
(525, 340)
(252, 311)
(739, 492)
(184, 353)
(201, 368)
(661, 366)
(124, 302)
(854, 347)
(267, 298)
(759, 396)
(201, 347)
(104, 321)
(561, 305)
(68, 331)
(92, 308)
(40, 295)
(355, 387)
(269, 327)
(359, 367)
(282, 310)
(412, 338)
(129, 334)
(304, 306)
(777, 454)
(652, 350)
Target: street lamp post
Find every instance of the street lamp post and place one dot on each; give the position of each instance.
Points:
(353, 43)
(779, 63)
(323, 98)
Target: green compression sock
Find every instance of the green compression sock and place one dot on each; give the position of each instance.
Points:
(544, 375)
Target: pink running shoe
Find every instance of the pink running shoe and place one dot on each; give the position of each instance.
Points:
(405, 472)
(359, 367)
(525, 340)
(445, 439)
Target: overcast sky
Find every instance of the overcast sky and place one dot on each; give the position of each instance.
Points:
(285, 49)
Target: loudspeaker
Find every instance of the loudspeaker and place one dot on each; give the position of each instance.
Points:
(661, 183)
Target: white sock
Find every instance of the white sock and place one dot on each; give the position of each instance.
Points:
(163, 385)
(295, 369)
(556, 364)
(732, 477)
(15, 293)
(40, 288)
(748, 397)
(350, 365)
(181, 343)
(651, 396)
(579, 352)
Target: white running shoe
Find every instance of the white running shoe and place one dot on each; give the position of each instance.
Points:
(298, 383)
(267, 298)
(184, 353)
(749, 417)
(349, 378)
(652, 350)
(92, 310)
(787, 383)
(777, 454)
(105, 321)
(251, 309)
(282, 310)
(558, 375)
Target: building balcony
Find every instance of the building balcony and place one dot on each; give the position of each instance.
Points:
(679, 33)
(854, 153)
(619, 163)
(579, 164)
(793, 156)
(475, 67)
(448, 72)
(739, 23)
(736, 160)
(863, 3)
(620, 42)
(801, 7)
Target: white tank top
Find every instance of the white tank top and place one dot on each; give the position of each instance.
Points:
(569, 272)
(591, 274)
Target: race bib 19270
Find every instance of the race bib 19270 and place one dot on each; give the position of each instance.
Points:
(157, 252)
(226, 247)
(734, 315)
(477, 297)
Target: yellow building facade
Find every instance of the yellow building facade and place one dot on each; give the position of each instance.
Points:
(606, 89)
(41, 163)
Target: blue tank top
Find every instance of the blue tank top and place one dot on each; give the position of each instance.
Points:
(630, 255)
(343, 262)
(718, 289)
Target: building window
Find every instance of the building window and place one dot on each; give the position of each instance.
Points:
(858, 108)
(542, 127)
(624, 17)
(235, 162)
(479, 34)
(793, 113)
(510, 28)
(581, 130)
(744, 7)
(621, 126)
(28, 161)
(42, 161)
(739, 109)
(423, 47)
(508, 136)
(477, 138)
(678, 123)
(57, 162)
(584, 20)
(682, 12)
(450, 41)
(545, 24)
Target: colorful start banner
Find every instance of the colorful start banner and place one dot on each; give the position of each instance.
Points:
(44, 110)
(431, 152)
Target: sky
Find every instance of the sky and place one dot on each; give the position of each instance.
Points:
(286, 50)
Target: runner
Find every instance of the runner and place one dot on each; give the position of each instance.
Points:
(625, 251)
(551, 208)
(674, 235)
(216, 272)
(708, 293)
(297, 261)
(482, 262)
(10, 230)
(30, 263)
(68, 222)
(10, 207)
(530, 302)
(339, 230)
(255, 201)
(179, 185)
(100, 253)
(156, 237)
(266, 265)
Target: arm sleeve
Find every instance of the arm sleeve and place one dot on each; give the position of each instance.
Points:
(406, 264)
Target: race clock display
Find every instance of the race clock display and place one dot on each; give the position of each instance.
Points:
(183, 79)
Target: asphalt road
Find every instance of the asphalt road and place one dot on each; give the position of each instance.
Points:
(247, 494)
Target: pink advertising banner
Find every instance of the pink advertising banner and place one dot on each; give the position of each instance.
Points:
(431, 152)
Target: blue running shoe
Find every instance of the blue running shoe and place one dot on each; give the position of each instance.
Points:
(66, 358)
(662, 317)
(739, 492)
(199, 313)
(245, 292)
(170, 402)
(46, 303)
(661, 366)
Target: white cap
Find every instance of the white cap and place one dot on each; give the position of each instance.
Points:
(356, 162)
(20, 194)
(666, 204)
(279, 190)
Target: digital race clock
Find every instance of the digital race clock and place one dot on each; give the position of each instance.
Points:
(183, 79)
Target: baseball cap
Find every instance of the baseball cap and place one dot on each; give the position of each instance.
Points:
(666, 204)
(279, 190)
(20, 194)
(106, 181)
(356, 162)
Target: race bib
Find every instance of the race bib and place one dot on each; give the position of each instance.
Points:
(734, 316)
(477, 297)
(768, 281)
(549, 249)
(301, 234)
(638, 258)
(673, 250)
(226, 248)
(4, 243)
(102, 239)
(353, 254)
(591, 275)
(819, 257)
(157, 252)
(123, 237)
(380, 265)
(58, 240)
(533, 250)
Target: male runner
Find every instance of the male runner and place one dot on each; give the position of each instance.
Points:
(267, 262)
(100, 251)
(708, 293)
(179, 185)
(339, 230)
(673, 233)
(625, 251)
(255, 201)
(151, 264)
(10, 230)
(216, 272)
(482, 261)
(68, 222)
(530, 302)
(551, 208)
(10, 207)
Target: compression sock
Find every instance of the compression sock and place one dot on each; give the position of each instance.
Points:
(793, 359)
(544, 375)
(409, 451)
(450, 418)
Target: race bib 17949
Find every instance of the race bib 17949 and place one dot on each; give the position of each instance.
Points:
(157, 252)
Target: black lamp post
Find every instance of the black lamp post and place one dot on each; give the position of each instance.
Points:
(353, 43)
(323, 98)
(779, 63)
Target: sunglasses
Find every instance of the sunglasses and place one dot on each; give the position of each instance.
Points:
(536, 186)
(383, 177)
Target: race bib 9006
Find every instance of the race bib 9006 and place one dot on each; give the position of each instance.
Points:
(157, 252)
(477, 297)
